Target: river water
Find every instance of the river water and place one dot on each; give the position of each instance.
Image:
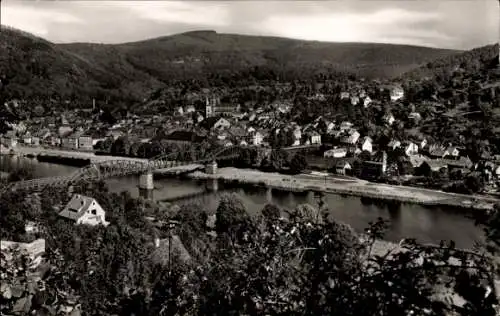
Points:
(429, 225)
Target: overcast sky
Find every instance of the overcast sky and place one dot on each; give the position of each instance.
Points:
(460, 24)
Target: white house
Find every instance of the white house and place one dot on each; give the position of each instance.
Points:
(27, 138)
(354, 100)
(345, 125)
(393, 144)
(10, 142)
(423, 143)
(31, 227)
(496, 172)
(64, 130)
(452, 151)
(297, 136)
(342, 166)
(220, 123)
(410, 148)
(367, 101)
(397, 93)
(179, 111)
(84, 210)
(335, 153)
(344, 95)
(352, 138)
(199, 118)
(257, 138)
(367, 144)
(189, 109)
(314, 138)
(388, 119)
(330, 126)
(414, 116)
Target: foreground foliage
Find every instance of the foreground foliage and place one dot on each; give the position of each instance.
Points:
(306, 264)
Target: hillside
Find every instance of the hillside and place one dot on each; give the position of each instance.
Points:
(207, 51)
(33, 67)
(473, 62)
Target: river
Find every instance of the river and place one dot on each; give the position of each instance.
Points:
(429, 225)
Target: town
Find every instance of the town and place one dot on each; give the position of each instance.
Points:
(377, 133)
(214, 173)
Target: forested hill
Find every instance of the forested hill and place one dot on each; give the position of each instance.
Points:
(32, 67)
(208, 51)
(478, 61)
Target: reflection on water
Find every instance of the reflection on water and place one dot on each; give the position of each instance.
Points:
(407, 220)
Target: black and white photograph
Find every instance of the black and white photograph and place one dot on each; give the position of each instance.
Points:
(250, 157)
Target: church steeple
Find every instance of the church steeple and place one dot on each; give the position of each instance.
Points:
(208, 108)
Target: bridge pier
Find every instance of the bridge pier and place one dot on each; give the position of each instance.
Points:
(212, 185)
(146, 186)
(310, 197)
(269, 195)
(211, 167)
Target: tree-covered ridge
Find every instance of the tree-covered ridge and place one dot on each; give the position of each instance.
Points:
(297, 262)
(32, 68)
(469, 62)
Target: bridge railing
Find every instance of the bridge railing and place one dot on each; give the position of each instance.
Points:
(112, 168)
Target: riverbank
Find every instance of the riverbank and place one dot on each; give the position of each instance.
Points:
(298, 183)
(354, 187)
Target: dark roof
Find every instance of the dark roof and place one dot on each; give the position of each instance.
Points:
(342, 163)
(75, 208)
(186, 136)
(209, 122)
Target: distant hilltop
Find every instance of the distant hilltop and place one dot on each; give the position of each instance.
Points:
(32, 66)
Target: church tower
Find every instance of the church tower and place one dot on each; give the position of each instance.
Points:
(208, 108)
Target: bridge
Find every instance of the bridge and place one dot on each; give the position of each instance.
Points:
(121, 167)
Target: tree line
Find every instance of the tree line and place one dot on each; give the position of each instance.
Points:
(297, 261)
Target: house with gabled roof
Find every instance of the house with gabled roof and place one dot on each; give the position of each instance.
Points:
(84, 210)
(351, 138)
(393, 144)
(367, 144)
(215, 123)
(345, 125)
(389, 119)
(452, 151)
(343, 167)
(335, 153)
(410, 148)
(313, 138)
(437, 151)
(367, 101)
(396, 93)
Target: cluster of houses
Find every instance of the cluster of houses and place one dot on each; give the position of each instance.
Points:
(228, 125)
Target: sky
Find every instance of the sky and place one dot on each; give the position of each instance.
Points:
(455, 24)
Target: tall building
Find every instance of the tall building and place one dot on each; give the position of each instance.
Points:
(213, 107)
(210, 106)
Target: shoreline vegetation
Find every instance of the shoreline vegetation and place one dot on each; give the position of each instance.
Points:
(317, 182)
